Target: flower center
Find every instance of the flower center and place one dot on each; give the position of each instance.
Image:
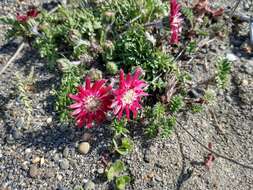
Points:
(92, 103)
(129, 97)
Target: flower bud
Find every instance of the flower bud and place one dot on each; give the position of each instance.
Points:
(86, 59)
(95, 74)
(111, 68)
(74, 36)
(63, 64)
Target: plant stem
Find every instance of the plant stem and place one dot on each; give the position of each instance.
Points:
(20, 48)
(214, 152)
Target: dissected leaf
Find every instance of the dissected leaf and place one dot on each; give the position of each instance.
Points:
(125, 147)
(115, 169)
(122, 181)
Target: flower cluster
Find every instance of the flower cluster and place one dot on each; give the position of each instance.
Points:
(92, 102)
(175, 21)
(33, 13)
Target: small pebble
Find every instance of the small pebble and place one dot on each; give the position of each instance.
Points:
(100, 170)
(42, 161)
(28, 151)
(228, 99)
(59, 177)
(64, 164)
(245, 83)
(16, 134)
(89, 185)
(158, 178)
(61, 187)
(49, 173)
(56, 157)
(49, 120)
(66, 152)
(36, 160)
(84, 147)
(231, 57)
(33, 171)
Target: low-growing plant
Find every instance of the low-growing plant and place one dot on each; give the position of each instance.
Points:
(158, 123)
(124, 13)
(114, 173)
(125, 147)
(222, 74)
(197, 108)
(66, 32)
(122, 181)
(70, 80)
(188, 13)
(22, 25)
(176, 103)
(133, 49)
(119, 128)
(23, 85)
(115, 169)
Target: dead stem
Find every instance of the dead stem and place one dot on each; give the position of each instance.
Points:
(214, 152)
(20, 48)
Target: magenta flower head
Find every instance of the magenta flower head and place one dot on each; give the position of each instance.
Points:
(21, 18)
(24, 18)
(175, 21)
(129, 94)
(92, 102)
(32, 13)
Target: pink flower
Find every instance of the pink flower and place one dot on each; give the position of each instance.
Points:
(175, 21)
(32, 13)
(24, 18)
(92, 103)
(129, 94)
(21, 18)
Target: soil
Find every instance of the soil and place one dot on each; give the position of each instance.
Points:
(157, 164)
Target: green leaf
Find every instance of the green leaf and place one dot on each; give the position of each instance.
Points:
(125, 147)
(222, 73)
(176, 103)
(115, 169)
(122, 181)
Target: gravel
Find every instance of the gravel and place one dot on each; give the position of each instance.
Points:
(173, 163)
(34, 171)
(64, 164)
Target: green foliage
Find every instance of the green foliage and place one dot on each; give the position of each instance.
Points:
(209, 96)
(133, 49)
(119, 128)
(23, 85)
(158, 121)
(62, 33)
(131, 11)
(115, 169)
(125, 147)
(122, 181)
(166, 129)
(23, 29)
(176, 103)
(191, 47)
(70, 80)
(222, 74)
(188, 13)
(197, 108)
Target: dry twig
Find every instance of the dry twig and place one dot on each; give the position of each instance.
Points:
(214, 152)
